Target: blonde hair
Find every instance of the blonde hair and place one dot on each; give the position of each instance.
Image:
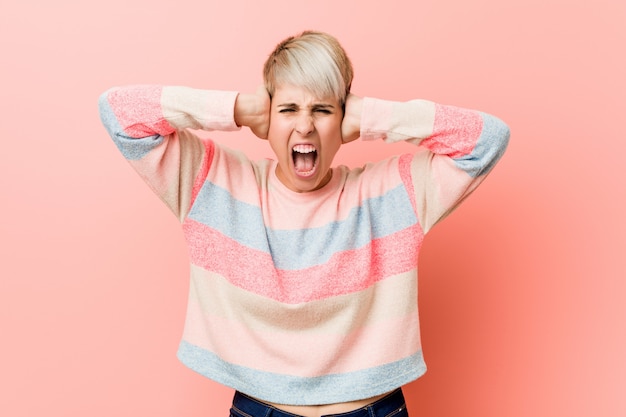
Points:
(311, 60)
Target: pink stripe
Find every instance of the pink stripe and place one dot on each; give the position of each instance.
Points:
(346, 272)
(207, 159)
(138, 111)
(304, 353)
(455, 131)
(404, 166)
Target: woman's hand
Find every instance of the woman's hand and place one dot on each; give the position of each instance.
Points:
(253, 110)
(351, 125)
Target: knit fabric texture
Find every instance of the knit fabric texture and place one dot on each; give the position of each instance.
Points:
(302, 298)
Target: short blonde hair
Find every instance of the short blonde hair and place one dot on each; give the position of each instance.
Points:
(311, 60)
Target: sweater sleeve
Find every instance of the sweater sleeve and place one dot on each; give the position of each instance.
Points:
(151, 125)
(462, 146)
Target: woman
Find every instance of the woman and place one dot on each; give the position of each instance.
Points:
(303, 294)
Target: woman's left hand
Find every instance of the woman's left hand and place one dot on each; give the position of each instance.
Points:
(351, 124)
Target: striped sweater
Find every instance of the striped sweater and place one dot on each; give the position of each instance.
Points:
(302, 298)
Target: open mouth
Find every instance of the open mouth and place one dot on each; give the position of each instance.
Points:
(304, 159)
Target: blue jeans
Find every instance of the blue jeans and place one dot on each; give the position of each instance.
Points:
(392, 405)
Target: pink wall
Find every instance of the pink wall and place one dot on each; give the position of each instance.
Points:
(527, 320)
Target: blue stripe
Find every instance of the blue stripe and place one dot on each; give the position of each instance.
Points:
(491, 144)
(289, 389)
(298, 249)
(131, 148)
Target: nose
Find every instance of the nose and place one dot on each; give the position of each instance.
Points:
(304, 125)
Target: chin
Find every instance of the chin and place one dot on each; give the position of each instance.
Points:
(312, 184)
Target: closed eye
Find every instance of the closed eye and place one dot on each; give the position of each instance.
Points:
(323, 111)
(323, 108)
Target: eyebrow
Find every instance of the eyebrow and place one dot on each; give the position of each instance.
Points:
(323, 106)
(313, 106)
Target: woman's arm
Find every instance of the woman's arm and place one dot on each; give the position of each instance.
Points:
(462, 147)
(149, 125)
(137, 112)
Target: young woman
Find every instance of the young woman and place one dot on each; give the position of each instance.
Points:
(303, 292)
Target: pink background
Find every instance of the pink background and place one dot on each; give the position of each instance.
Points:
(521, 291)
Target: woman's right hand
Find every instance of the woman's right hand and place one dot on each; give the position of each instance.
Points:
(253, 110)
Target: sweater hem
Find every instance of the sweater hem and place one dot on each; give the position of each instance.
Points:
(298, 390)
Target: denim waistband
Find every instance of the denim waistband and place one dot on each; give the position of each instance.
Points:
(386, 406)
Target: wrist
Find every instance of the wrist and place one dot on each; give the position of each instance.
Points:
(351, 125)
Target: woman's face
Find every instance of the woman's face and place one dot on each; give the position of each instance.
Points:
(305, 135)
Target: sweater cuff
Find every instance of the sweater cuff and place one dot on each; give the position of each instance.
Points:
(186, 107)
(376, 117)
